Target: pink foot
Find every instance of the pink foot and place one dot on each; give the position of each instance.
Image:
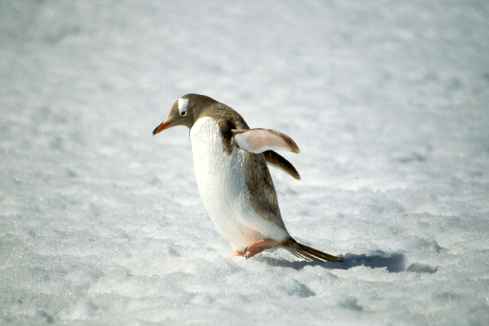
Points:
(258, 247)
(238, 253)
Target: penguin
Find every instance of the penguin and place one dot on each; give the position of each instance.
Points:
(230, 164)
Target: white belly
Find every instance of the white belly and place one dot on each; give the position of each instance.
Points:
(222, 186)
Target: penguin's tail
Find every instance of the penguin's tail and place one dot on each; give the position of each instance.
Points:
(308, 253)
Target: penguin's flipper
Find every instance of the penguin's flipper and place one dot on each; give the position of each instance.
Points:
(259, 140)
(281, 163)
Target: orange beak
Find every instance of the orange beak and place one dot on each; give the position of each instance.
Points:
(162, 126)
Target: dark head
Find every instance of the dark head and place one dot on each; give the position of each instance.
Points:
(185, 111)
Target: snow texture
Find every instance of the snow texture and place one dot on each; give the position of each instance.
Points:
(101, 223)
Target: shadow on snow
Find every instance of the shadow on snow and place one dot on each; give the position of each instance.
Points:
(393, 262)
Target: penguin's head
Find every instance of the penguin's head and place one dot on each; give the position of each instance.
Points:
(185, 111)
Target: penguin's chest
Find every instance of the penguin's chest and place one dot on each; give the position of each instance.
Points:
(222, 185)
(222, 180)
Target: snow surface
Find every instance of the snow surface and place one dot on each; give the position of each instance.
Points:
(101, 223)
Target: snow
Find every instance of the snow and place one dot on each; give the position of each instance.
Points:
(101, 223)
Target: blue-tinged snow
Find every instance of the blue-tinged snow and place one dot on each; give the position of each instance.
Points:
(101, 223)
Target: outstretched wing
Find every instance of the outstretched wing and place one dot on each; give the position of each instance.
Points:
(259, 140)
(281, 163)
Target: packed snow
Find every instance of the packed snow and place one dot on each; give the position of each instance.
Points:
(101, 223)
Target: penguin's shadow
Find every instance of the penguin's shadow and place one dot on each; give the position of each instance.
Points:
(392, 262)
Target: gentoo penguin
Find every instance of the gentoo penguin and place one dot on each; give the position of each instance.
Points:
(230, 163)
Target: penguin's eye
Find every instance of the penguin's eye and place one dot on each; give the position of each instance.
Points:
(182, 106)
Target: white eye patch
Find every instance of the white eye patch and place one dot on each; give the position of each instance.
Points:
(182, 104)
